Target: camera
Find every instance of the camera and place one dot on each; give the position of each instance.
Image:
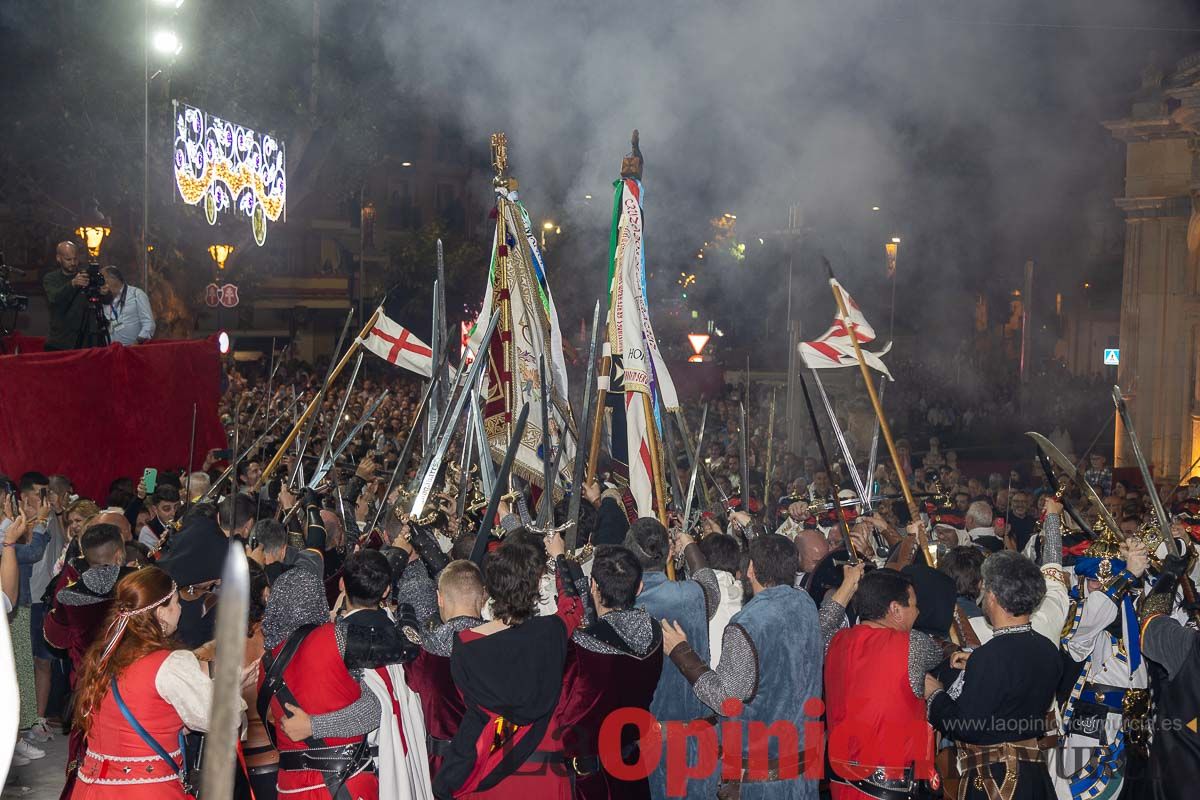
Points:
(95, 282)
(8, 300)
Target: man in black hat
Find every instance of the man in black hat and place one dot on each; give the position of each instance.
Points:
(197, 554)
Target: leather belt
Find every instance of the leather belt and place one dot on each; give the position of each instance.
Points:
(977, 758)
(786, 768)
(1110, 697)
(878, 784)
(342, 759)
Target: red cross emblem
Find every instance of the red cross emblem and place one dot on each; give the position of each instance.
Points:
(400, 343)
(229, 295)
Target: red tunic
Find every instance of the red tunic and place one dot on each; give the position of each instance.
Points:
(874, 719)
(318, 678)
(594, 686)
(441, 702)
(532, 779)
(118, 765)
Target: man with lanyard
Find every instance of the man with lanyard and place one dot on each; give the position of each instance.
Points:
(130, 320)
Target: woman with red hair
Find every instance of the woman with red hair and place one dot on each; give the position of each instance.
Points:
(136, 695)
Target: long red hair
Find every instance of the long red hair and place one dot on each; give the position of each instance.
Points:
(139, 636)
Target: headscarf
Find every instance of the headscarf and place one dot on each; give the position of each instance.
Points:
(297, 599)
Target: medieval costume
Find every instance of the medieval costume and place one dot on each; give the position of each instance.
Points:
(164, 692)
(690, 603)
(879, 742)
(1102, 637)
(511, 683)
(429, 676)
(1174, 653)
(996, 714)
(304, 666)
(617, 664)
(771, 662)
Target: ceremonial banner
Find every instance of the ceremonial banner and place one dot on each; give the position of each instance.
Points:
(638, 369)
(397, 345)
(527, 331)
(833, 349)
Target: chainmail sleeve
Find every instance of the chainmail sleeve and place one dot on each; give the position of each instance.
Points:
(416, 588)
(736, 674)
(924, 654)
(697, 569)
(831, 618)
(360, 717)
(1051, 540)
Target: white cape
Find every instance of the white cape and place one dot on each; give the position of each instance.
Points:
(403, 772)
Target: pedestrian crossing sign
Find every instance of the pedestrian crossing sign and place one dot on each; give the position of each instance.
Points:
(1112, 357)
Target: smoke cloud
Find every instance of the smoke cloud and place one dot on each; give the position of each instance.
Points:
(975, 126)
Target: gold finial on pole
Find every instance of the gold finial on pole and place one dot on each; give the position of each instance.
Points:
(500, 161)
(631, 165)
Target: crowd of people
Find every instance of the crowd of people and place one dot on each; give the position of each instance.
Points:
(790, 639)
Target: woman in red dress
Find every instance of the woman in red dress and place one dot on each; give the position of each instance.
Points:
(510, 673)
(163, 688)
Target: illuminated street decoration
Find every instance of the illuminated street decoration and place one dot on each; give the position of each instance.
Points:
(229, 168)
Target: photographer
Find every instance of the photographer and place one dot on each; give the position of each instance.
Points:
(71, 324)
(130, 320)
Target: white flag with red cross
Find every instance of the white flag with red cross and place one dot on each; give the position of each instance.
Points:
(834, 348)
(397, 345)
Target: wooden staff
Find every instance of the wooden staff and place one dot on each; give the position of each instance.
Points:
(656, 466)
(273, 464)
(598, 417)
(913, 511)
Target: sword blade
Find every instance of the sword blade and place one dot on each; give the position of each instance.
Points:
(220, 752)
(842, 444)
(1063, 463)
(1164, 523)
(691, 490)
(323, 468)
(585, 424)
(312, 418)
(546, 506)
(485, 525)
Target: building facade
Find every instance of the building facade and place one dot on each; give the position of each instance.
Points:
(1160, 305)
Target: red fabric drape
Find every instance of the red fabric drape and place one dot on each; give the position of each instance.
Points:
(99, 414)
(19, 343)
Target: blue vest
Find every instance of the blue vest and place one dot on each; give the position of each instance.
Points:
(782, 624)
(674, 699)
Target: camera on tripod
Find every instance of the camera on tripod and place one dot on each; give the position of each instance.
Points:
(95, 282)
(8, 300)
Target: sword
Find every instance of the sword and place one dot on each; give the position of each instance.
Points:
(316, 403)
(221, 741)
(1059, 493)
(324, 467)
(464, 477)
(1164, 522)
(485, 524)
(448, 424)
(673, 468)
(1068, 469)
(487, 470)
(192, 456)
(873, 461)
(410, 442)
(851, 556)
(842, 445)
(585, 424)
(239, 457)
(427, 452)
(337, 421)
(770, 452)
(746, 442)
(546, 507)
(436, 345)
(691, 490)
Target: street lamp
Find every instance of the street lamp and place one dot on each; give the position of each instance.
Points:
(891, 249)
(548, 226)
(166, 42)
(220, 254)
(93, 236)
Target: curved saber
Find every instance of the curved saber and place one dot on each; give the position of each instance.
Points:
(1064, 464)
